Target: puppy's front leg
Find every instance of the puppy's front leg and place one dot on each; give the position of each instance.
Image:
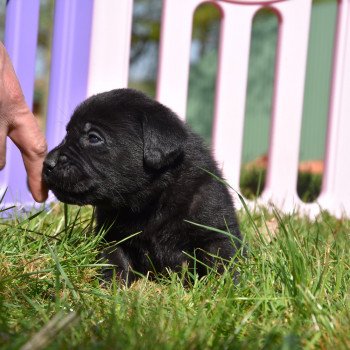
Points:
(117, 257)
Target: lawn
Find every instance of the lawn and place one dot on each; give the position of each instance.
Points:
(293, 290)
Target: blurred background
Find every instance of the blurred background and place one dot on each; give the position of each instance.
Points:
(203, 68)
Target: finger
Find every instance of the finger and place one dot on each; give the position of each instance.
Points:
(27, 136)
(35, 182)
(3, 136)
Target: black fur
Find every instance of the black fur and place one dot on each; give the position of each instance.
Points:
(144, 171)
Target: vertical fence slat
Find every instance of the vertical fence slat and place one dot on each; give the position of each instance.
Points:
(21, 33)
(69, 64)
(110, 45)
(335, 195)
(174, 57)
(73, 76)
(292, 51)
(231, 88)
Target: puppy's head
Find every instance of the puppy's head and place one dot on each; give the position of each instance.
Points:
(117, 144)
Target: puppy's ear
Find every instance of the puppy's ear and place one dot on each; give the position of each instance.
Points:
(163, 138)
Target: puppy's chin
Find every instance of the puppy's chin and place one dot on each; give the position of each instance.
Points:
(70, 198)
(80, 193)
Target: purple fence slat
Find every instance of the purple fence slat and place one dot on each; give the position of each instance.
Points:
(69, 65)
(21, 32)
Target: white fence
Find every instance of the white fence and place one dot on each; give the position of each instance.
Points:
(108, 69)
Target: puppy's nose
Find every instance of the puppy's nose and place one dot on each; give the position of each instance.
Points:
(51, 161)
(49, 164)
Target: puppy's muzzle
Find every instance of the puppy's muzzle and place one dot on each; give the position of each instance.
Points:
(52, 160)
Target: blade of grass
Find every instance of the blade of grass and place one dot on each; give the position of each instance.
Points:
(49, 332)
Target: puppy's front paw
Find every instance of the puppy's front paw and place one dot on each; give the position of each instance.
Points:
(120, 267)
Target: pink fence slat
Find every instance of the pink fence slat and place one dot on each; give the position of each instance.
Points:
(69, 64)
(174, 58)
(288, 104)
(335, 196)
(21, 33)
(78, 70)
(110, 45)
(231, 88)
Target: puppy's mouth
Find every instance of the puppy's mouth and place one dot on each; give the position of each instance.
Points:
(68, 190)
(80, 197)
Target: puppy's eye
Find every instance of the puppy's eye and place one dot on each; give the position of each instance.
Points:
(94, 138)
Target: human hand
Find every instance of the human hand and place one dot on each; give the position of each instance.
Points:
(18, 122)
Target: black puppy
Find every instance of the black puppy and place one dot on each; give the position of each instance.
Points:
(147, 173)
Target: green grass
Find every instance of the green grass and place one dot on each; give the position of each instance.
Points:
(293, 290)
